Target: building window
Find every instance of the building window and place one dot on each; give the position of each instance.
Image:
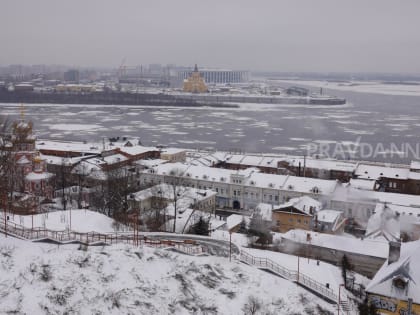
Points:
(290, 220)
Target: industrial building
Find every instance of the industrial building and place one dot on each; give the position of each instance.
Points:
(220, 76)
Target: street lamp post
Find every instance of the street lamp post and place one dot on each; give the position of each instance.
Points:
(339, 297)
(230, 245)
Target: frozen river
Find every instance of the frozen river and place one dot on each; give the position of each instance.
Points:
(377, 119)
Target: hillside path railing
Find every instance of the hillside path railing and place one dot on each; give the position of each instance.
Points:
(90, 238)
(346, 306)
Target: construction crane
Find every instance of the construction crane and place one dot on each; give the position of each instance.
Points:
(121, 69)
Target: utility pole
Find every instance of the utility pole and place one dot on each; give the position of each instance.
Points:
(230, 245)
(298, 269)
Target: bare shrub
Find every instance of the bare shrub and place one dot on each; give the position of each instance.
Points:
(252, 306)
(46, 273)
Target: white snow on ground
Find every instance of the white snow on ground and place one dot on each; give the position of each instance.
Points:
(122, 279)
(323, 272)
(81, 221)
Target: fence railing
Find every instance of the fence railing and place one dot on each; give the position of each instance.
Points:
(302, 279)
(186, 246)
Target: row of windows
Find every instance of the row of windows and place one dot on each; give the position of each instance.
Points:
(291, 220)
(237, 193)
(392, 185)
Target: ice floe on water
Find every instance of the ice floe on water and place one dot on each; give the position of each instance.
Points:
(75, 127)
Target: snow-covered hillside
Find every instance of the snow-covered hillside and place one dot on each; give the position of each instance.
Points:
(122, 279)
(82, 221)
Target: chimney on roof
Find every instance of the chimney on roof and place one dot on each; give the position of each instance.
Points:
(394, 252)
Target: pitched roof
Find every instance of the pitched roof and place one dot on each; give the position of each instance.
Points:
(407, 267)
(304, 204)
(384, 224)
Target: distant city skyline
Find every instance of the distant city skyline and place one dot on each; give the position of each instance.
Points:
(273, 35)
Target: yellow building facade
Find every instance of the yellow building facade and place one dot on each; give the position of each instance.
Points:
(195, 83)
(392, 306)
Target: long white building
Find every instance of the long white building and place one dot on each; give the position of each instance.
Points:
(243, 190)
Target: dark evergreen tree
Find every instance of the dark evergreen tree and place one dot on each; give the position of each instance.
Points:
(243, 227)
(367, 309)
(345, 267)
(201, 227)
(261, 229)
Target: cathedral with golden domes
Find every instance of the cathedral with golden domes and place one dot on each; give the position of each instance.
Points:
(195, 83)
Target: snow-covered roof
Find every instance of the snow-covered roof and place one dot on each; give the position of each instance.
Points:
(414, 175)
(196, 172)
(345, 192)
(266, 180)
(137, 149)
(167, 191)
(374, 172)
(383, 224)
(376, 248)
(171, 151)
(88, 168)
(322, 164)
(114, 158)
(251, 177)
(252, 160)
(58, 160)
(23, 160)
(71, 146)
(303, 204)
(407, 267)
(32, 176)
(234, 220)
(151, 162)
(310, 185)
(415, 165)
(365, 184)
(328, 216)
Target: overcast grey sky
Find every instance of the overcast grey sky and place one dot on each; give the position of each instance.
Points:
(277, 35)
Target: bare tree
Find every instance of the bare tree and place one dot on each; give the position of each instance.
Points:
(62, 181)
(111, 194)
(252, 306)
(155, 216)
(177, 191)
(6, 163)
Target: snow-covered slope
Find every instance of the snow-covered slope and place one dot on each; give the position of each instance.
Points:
(81, 221)
(121, 279)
